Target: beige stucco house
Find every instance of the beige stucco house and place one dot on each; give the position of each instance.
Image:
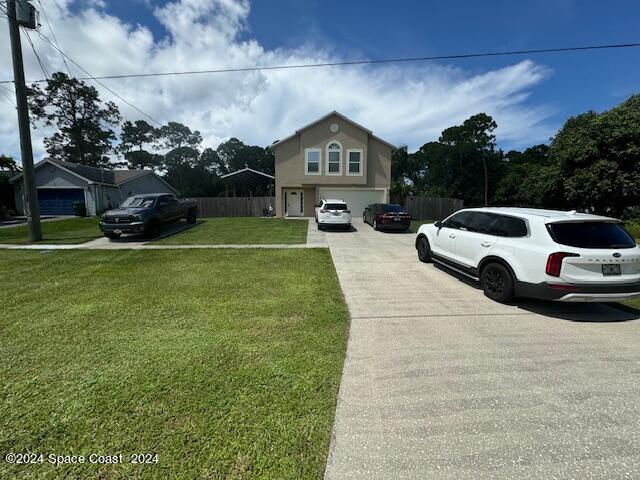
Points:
(333, 157)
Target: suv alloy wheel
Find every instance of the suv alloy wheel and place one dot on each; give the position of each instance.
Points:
(497, 282)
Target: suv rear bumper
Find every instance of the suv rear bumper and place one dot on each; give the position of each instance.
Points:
(568, 292)
(334, 221)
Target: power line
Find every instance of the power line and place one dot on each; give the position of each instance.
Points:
(53, 34)
(91, 77)
(6, 95)
(44, 70)
(13, 104)
(361, 62)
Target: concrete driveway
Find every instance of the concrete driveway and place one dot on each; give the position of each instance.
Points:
(442, 383)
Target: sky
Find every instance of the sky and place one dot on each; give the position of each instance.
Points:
(529, 96)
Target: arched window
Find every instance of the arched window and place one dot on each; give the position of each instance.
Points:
(334, 159)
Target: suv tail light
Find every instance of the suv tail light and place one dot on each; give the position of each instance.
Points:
(347, 211)
(554, 262)
(323, 211)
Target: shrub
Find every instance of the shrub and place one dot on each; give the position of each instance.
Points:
(80, 209)
(6, 212)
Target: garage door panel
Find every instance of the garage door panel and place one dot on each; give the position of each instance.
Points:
(356, 199)
(59, 201)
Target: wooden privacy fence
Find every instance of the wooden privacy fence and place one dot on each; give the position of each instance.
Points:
(428, 208)
(235, 206)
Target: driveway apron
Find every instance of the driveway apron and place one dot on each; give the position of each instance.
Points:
(440, 382)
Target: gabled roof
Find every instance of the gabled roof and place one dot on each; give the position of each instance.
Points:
(325, 117)
(91, 174)
(248, 177)
(101, 176)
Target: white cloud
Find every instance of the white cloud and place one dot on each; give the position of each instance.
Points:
(405, 103)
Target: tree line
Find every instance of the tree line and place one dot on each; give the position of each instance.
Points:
(592, 164)
(90, 131)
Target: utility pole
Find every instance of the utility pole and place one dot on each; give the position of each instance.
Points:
(28, 172)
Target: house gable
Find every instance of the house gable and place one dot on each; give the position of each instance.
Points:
(312, 142)
(333, 152)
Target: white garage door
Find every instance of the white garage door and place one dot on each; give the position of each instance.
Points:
(357, 198)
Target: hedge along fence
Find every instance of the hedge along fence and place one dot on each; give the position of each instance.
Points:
(235, 206)
(429, 208)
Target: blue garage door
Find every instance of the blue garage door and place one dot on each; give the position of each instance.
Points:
(59, 201)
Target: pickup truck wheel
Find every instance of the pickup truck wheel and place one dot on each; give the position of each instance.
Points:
(191, 217)
(497, 282)
(112, 236)
(153, 231)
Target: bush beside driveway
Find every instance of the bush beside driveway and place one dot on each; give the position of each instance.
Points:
(225, 363)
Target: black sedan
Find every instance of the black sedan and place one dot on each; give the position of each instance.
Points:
(387, 216)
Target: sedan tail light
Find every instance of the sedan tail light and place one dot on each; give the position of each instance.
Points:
(554, 262)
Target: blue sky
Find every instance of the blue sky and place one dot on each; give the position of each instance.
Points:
(368, 29)
(580, 81)
(530, 96)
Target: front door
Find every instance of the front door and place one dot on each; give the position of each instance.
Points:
(295, 199)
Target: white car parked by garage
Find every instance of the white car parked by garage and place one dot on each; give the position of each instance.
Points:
(546, 254)
(333, 213)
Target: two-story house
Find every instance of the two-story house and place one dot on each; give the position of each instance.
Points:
(333, 157)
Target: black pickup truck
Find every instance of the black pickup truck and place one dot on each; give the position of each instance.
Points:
(146, 213)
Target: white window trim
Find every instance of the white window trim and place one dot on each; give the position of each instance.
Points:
(306, 161)
(361, 152)
(339, 172)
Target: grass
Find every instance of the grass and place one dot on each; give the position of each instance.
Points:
(415, 224)
(242, 230)
(225, 363)
(635, 303)
(72, 230)
(633, 227)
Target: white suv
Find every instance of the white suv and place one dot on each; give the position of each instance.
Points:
(546, 254)
(333, 212)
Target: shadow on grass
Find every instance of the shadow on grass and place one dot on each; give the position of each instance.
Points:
(167, 231)
(68, 239)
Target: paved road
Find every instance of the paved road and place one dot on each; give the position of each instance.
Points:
(441, 383)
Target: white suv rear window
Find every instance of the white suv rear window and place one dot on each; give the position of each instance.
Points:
(591, 235)
(335, 206)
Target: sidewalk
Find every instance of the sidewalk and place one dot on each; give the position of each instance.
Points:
(315, 239)
(22, 221)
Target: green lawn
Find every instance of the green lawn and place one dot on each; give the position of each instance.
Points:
(415, 224)
(72, 230)
(241, 230)
(225, 363)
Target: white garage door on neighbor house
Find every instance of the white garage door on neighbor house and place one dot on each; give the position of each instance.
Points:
(356, 198)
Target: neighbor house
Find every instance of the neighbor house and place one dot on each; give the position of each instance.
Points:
(62, 184)
(332, 158)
